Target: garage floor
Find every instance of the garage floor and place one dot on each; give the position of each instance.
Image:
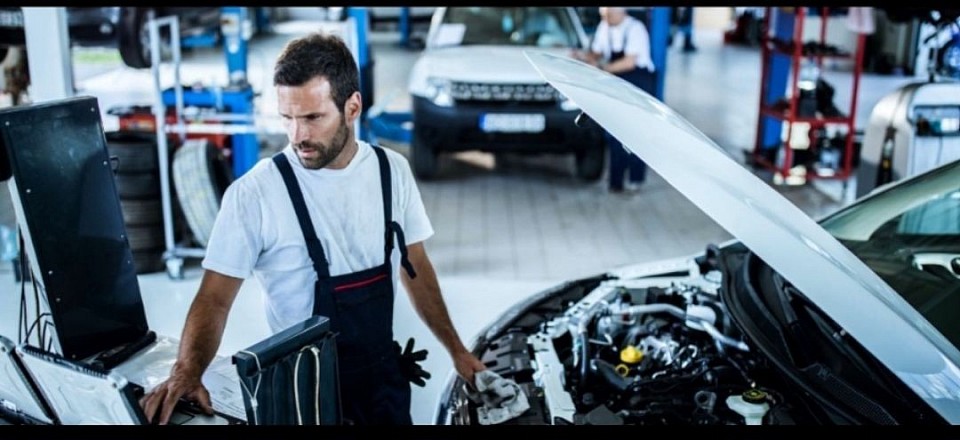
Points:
(504, 229)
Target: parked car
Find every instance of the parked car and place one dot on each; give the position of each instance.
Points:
(387, 14)
(848, 320)
(472, 89)
(121, 27)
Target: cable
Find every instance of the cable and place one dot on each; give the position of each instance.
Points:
(36, 324)
(256, 387)
(296, 388)
(22, 327)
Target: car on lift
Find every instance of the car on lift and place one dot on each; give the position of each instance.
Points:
(847, 320)
(472, 89)
(122, 27)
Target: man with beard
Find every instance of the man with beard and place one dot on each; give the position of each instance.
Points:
(316, 225)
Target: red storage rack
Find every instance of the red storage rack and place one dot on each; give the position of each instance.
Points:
(795, 50)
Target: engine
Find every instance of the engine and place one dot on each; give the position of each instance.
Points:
(629, 353)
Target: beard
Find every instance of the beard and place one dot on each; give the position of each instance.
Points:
(326, 153)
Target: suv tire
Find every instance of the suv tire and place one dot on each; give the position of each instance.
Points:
(424, 155)
(134, 38)
(590, 162)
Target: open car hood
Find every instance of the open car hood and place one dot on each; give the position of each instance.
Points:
(772, 227)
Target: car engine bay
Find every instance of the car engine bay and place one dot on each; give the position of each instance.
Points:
(646, 351)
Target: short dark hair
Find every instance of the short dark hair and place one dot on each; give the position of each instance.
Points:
(318, 54)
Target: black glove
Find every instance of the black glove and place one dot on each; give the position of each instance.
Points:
(408, 363)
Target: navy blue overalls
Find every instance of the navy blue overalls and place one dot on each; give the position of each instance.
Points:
(360, 307)
(620, 159)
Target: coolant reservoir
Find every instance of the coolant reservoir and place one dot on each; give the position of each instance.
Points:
(751, 404)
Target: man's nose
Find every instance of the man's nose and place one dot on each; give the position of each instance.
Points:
(297, 132)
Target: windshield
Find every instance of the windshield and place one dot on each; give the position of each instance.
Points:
(910, 236)
(523, 26)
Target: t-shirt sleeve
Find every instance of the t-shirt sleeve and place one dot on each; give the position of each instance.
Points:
(235, 241)
(638, 42)
(416, 225)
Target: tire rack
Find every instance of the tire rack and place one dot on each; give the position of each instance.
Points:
(175, 253)
(790, 116)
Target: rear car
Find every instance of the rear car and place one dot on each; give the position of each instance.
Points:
(472, 88)
(122, 27)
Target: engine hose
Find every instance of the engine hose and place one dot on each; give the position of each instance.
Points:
(583, 338)
(680, 313)
(609, 373)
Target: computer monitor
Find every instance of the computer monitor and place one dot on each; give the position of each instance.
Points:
(20, 400)
(66, 203)
(291, 378)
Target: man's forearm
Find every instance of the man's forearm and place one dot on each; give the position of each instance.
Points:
(205, 323)
(624, 64)
(425, 296)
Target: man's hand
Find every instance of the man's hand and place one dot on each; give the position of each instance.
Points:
(166, 395)
(466, 365)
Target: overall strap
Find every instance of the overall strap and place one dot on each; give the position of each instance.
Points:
(392, 227)
(314, 248)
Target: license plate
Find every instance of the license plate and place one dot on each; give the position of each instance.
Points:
(11, 19)
(513, 123)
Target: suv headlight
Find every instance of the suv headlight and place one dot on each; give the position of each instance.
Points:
(438, 91)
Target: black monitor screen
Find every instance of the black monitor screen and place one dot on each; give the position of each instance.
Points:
(71, 210)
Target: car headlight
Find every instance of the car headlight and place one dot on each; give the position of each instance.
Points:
(438, 91)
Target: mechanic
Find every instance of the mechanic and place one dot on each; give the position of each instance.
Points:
(315, 224)
(621, 46)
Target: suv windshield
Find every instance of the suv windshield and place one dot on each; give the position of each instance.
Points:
(910, 236)
(523, 26)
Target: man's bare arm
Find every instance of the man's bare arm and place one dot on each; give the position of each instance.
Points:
(424, 291)
(201, 337)
(624, 64)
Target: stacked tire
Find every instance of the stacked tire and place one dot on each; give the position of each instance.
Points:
(201, 175)
(138, 185)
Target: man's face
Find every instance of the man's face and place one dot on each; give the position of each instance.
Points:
(612, 15)
(316, 128)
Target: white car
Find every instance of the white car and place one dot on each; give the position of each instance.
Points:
(472, 88)
(848, 320)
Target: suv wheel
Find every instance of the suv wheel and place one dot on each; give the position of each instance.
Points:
(134, 38)
(424, 155)
(590, 162)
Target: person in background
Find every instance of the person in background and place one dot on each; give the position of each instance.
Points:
(621, 46)
(685, 26)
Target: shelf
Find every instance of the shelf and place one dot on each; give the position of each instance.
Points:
(777, 47)
(814, 121)
(785, 109)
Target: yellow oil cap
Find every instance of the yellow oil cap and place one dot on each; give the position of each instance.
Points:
(631, 355)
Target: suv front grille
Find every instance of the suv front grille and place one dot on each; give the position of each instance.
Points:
(473, 92)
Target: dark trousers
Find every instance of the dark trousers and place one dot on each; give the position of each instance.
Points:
(622, 160)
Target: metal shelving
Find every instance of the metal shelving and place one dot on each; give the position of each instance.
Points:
(800, 52)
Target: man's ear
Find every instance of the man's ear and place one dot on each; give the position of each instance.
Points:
(353, 106)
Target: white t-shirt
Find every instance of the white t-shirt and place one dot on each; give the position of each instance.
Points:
(637, 41)
(257, 232)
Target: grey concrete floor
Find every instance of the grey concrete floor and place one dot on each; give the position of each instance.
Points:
(504, 230)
